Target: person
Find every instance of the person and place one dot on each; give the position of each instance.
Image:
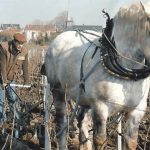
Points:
(13, 59)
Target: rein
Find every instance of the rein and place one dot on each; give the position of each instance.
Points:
(82, 76)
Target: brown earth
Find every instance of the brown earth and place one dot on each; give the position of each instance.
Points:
(31, 123)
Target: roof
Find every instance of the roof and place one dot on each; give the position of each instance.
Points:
(84, 27)
(7, 35)
(42, 28)
(9, 32)
(8, 26)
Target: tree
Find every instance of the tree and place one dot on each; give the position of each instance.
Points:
(60, 20)
(38, 22)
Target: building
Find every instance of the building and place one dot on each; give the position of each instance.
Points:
(33, 32)
(8, 26)
(84, 27)
(8, 30)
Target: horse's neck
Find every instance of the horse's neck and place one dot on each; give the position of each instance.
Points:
(132, 57)
(130, 40)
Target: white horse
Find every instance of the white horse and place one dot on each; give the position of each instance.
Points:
(118, 82)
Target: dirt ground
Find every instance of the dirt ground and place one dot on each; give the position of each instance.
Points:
(31, 125)
(31, 135)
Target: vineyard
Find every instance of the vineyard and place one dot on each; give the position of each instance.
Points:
(31, 107)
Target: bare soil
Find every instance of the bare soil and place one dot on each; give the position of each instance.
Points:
(31, 125)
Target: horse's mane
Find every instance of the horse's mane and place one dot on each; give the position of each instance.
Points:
(130, 29)
(132, 21)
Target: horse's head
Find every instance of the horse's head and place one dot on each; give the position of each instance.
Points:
(132, 29)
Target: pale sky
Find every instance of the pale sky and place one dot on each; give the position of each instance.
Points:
(86, 12)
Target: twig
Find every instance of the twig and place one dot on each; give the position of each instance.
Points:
(5, 142)
(52, 104)
(67, 111)
(104, 143)
(139, 147)
(146, 138)
(35, 105)
(12, 129)
(49, 139)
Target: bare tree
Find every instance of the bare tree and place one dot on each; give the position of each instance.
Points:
(38, 22)
(60, 20)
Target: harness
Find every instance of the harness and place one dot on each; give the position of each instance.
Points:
(82, 76)
(109, 57)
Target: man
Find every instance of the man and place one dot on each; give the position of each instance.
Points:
(13, 59)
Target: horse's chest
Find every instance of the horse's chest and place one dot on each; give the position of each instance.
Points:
(108, 90)
(120, 93)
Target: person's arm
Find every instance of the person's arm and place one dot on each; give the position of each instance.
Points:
(3, 66)
(25, 70)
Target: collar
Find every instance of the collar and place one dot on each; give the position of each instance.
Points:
(12, 49)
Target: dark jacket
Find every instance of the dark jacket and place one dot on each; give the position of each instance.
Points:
(11, 64)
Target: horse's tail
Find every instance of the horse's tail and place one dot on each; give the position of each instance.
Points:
(49, 66)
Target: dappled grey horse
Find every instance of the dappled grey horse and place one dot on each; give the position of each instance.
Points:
(111, 73)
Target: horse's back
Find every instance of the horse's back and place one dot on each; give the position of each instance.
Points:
(71, 39)
(65, 53)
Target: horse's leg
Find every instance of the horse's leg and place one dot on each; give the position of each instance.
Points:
(59, 102)
(84, 127)
(100, 115)
(131, 129)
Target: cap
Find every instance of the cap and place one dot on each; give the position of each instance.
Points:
(19, 37)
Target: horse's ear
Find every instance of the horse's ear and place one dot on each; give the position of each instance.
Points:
(143, 7)
(144, 10)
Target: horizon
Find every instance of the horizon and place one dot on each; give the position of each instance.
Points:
(16, 12)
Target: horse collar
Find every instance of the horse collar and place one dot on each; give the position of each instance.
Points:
(109, 57)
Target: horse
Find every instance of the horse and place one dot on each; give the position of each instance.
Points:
(110, 73)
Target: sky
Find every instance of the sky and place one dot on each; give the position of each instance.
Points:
(87, 12)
